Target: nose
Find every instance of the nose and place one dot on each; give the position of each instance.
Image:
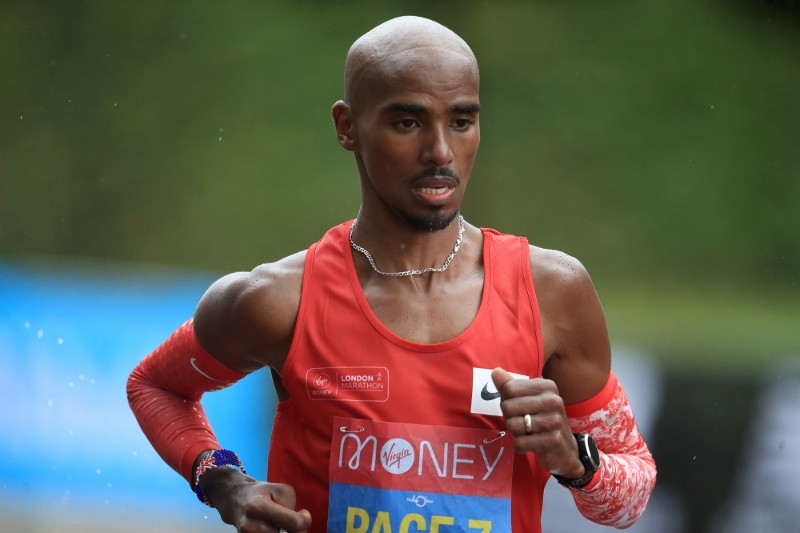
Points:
(438, 150)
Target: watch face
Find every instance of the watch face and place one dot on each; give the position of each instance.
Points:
(594, 455)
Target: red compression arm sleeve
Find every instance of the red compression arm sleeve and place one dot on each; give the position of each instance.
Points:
(617, 494)
(164, 393)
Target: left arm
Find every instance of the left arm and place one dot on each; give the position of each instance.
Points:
(578, 394)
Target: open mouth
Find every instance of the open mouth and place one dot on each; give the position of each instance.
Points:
(435, 191)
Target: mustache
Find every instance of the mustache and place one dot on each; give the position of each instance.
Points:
(432, 172)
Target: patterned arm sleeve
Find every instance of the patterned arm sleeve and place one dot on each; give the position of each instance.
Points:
(617, 494)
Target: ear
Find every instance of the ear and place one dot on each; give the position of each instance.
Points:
(346, 130)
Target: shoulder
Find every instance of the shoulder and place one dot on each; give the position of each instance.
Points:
(558, 275)
(246, 319)
(561, 281)
(577, 348)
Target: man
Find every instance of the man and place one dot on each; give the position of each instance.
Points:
(381, 337)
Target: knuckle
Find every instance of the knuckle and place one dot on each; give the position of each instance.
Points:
(553, 402)
(552, 440)
(552, 422)
(283, 494)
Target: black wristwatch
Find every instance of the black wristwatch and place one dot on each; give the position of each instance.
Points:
(590, 458)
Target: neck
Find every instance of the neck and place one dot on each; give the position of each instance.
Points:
(396, 246)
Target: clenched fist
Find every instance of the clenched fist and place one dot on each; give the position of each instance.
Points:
(548, 435)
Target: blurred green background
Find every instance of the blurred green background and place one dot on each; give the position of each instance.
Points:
(658, 142)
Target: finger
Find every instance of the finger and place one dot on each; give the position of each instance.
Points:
(532, 405)
(528, 387)
(281, 517)
(540, 424)
(548, 444)
(500, 378)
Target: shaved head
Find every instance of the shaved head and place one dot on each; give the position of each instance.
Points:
(386, 52)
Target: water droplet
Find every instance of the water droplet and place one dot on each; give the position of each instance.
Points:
(134, 452)
(220, 138)
(712, 107)
(71, 384)
(80, 377)
(105, 502)
(115, 104)
(91, 381)
(70, 432)
(27, 324)
(49, 403)
(108, 484)
(60, 340)
(220, 130)
(41, 332)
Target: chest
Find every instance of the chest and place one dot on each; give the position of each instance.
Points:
(426, 314)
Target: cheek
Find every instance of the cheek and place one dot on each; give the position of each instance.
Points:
(388, 153)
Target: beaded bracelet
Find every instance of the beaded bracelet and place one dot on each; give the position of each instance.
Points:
(216, 458)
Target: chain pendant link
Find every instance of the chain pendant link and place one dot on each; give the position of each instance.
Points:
(412, 272)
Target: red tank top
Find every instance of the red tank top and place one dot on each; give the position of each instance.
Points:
(344, 363)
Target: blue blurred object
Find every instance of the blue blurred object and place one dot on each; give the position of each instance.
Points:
(69, 337)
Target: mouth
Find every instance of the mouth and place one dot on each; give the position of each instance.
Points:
(435, 191)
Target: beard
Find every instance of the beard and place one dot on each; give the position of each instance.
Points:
(431, 222)
(437, 219)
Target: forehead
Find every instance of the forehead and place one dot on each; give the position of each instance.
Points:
(427, 75)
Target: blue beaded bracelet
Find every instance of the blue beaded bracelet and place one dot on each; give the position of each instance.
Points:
(216, 458)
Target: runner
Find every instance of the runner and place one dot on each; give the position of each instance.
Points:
(381, 339)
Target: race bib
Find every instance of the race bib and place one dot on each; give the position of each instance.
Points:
(407, 478)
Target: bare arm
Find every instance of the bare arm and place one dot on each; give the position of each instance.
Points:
(577, 348)
(577, 379)
(246, 319)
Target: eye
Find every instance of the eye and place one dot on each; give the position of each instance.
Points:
(462, 123)
(408, 123)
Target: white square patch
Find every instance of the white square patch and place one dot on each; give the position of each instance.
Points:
(485, 398)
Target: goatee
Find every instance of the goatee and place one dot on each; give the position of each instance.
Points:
(435, 221)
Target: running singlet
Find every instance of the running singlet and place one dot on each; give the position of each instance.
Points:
(383, 435)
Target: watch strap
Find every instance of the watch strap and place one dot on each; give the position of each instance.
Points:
(586, 450)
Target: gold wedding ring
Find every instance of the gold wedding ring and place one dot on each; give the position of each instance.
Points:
(528, 424)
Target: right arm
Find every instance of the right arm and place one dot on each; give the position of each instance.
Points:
(245, 321)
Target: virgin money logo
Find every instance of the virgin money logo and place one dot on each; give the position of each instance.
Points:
(348, 383)
(397, 456)
(322, 381)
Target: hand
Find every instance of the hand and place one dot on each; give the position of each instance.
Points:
(550, 438)
(253, 506)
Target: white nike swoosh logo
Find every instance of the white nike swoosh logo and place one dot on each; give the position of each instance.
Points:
(609, 421)
(192, 361)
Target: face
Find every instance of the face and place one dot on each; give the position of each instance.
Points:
(415, 132)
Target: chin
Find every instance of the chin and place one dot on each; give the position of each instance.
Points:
(431, 221)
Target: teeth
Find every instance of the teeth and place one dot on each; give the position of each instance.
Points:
(432, 190)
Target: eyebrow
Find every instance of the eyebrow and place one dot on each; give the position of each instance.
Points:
(416, 108)
(466, 108)
(407, 108)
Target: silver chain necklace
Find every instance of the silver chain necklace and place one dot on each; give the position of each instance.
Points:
(412, 272)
